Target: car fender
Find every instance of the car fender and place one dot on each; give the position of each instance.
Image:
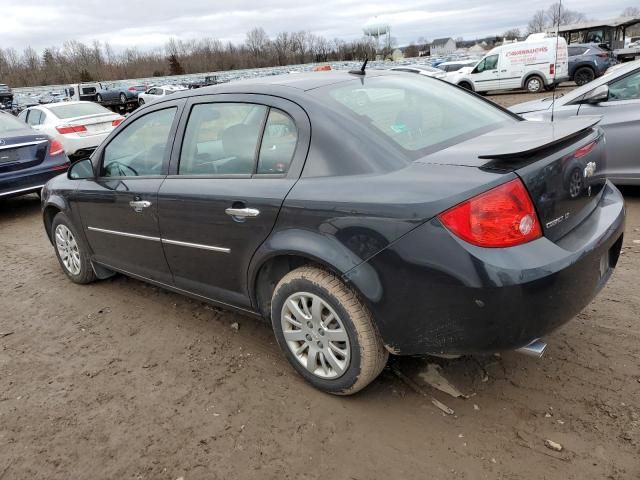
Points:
(52, 202)
(324, 250)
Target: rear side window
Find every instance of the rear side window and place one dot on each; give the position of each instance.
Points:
(141, 147)
(278, 143)
(222, 139)
(34, 117)
(417, 114)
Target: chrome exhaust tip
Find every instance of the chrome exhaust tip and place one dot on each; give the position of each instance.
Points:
(534, 349)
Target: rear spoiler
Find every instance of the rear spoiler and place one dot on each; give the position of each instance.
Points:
(526, 138)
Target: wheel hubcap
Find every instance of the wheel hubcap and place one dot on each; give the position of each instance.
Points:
(315, 335)
(534, 85)
(68, 249)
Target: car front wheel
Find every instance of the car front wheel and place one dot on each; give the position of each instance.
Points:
(326, 332)
(71, 251)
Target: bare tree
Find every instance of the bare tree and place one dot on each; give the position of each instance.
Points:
(631, 12)
(538, 22)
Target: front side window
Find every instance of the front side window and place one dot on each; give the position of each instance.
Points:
(627, 88)
(141, 147)
(278, 143)
(222, 139)
(418, 114)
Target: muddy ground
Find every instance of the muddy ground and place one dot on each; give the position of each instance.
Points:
(121, 380)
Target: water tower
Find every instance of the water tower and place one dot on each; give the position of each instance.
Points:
(379, 29)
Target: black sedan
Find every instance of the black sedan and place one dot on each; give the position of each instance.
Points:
(361, 213)
(28, 159)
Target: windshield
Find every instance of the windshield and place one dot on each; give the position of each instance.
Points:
(9, 123)
(419, 115)
(78, 110)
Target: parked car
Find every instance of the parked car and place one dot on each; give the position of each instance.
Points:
(530, 65)
(615, 96)
(434, 232)
(421, 70)
(6, 97)
(455, 65)
(156, 93)
(78, 126)
(206, 81)
(20, 102)
(118, 93)
(28, 159)
(51, 97)
(587, 61)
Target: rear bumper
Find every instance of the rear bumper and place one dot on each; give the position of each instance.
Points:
(74, 143)
(29, 181)
(433, 293)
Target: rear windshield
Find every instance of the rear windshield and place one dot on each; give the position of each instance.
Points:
(9, 123)
(77, 110)
(417, 114)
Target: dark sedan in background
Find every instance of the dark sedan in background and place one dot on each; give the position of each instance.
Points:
(418, 218)
(28, 159)
(587, 61)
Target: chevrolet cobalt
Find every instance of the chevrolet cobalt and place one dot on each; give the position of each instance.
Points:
(361, 213)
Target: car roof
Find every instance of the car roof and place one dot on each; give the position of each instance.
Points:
(286, 84)
(456, 62)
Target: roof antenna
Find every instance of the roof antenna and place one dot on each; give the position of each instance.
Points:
(555, 66)
(362, 69)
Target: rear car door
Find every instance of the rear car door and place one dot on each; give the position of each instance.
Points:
(621, 123)
(119, 207)
(238, 158)
(486, 75)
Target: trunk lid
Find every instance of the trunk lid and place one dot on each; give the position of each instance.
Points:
(559, 163)
(22, 150)
(95, 124)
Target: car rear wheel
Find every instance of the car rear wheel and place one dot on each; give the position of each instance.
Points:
(123, 98)
(583, 76)
(534, 84)
(141, 101)
(71, 251)
(326, 332)
(99, 98)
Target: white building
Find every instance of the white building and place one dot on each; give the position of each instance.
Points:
(443, 46)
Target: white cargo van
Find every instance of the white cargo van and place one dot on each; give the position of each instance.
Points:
(531, 65)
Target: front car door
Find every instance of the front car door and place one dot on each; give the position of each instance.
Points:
(485, 75)
(119, 208)
(238, 158)
(621, 123)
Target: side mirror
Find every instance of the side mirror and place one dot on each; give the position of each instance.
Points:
(80, 170)
(597, 95)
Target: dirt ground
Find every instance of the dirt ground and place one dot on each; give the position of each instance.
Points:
(121, 380)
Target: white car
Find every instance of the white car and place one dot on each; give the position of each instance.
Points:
(421, 70)
(154, 93)
(79, 126)
(455, 65)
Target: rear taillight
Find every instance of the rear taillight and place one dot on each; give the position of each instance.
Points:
(55, 148)
(132, 89)
(582, 151)
(117, 122)
(603, 55)
(66, 129)
(502, 217)
(552, 69)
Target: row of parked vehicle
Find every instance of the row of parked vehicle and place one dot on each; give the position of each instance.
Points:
(538, 64)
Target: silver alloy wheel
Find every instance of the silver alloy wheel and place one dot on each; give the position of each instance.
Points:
(68, 249)
(534, 85)
(315, 335)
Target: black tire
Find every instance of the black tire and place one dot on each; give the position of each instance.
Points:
(99, 98)
(123, 99)
(368, 355)
(534, 84)
(85, 274)
(583, 76)
(466, 86)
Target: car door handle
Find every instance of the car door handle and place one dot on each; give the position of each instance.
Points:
(503, 71)
(139, 205)
(242, 212)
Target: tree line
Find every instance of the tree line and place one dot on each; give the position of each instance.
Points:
(79, 62)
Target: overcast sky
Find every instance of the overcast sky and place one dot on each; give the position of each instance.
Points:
(147, 24)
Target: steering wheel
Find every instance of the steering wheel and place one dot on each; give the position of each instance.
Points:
(122, 168)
